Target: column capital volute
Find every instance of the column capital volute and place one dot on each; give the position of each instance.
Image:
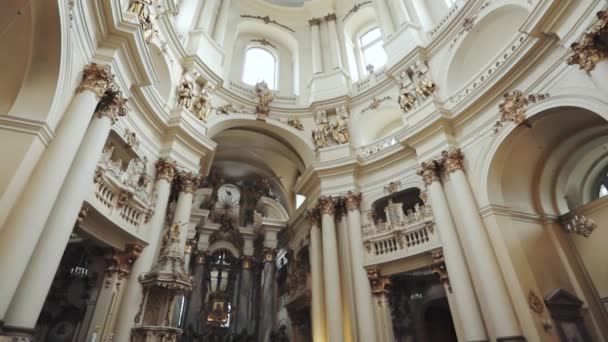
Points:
(165, 168)
(451, 160)
(97, 78)
(113, 105)
(314, 21)
(188, 181)
(121, 261)
(353, 200)
(327, 205)
(589, 51)
(314, 216)
(330, 17)
(428, 172)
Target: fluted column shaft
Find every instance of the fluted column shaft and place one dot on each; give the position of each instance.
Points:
(331, 272)
(363, 294)
(316, 270)
(460, 280)
(268, 316)
(317, 62)
(384, 18)
(38, 276)
(221, 24)
(334, 41)
(165, 171)
(25, 223)
(490, 285)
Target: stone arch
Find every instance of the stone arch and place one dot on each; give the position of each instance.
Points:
(464, 60)
(36, 75)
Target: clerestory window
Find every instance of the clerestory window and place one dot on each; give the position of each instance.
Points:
(260, 65)
(372, 49)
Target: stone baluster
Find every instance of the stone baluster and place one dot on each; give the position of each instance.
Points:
(460, 283)
(24, 225)
(363, 299)
(490, 286)
(165, 172)
(38, 276)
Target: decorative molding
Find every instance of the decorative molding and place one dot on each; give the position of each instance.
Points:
(315, 21)
(266, 19)
(263, 41)
(451, 160)
(438, 268)
(375, 103)
(513, 107)
(330, 17)
(580, 225)
(592, 47)
(392, 187)
(327, 205)
(188, 182)
(96, 78)
(121, 261)
(112, 105)
(356, 9)
(428, 171)
(353, 200)
(165, 168)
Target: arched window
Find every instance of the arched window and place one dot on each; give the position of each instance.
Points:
(602, 187)
(372, 49)
(260, 65)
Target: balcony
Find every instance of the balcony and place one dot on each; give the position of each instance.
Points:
(402, 236)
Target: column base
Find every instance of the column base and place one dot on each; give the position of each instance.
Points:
(511, 339)
(15, 334)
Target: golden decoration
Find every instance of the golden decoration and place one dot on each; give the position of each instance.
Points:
(327, 205)
(121, 261)
(96, 78)
(165, 168)
(438, 267)
(428, 172)
(535, 303)
(513, 107)
(112, 105)
(392, 187)
(379, 284)
(353, 200)
(269, 254)
(451, 160)
(593, 46)
(188, 182)
(314, 21)
(314, 217)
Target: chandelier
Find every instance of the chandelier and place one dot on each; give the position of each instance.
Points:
(581, 225)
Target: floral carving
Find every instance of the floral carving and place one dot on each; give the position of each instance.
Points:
(428, 172)
(438, 267)
(327, 205)
(353, 200)
(165, 168)
(96, 78)
(188, 182)
(112, 105)
(121, 261)
(593, 47)
(452, 160)
(513, 107)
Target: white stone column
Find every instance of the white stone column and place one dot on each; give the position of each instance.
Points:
(490, 286)
(317, 62)
(399, 12)
(363, 295)
(38, 276)
(209, 16)
(24, 224)
(424, 15)
(460, 281)
(334, 41)
(188, 184)
(331, 272)
(165, 171)
(383, 16)
(317, 304)
(382, 310)
(186, 17)
(221, 24)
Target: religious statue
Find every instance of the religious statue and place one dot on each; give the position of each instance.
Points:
(424, 87)
(339, 131)
(295, 123)
(321, 132)
(184, 94)
(406, 99)
(265, 97)
(147, 27)
(202, 105)
(138, 7)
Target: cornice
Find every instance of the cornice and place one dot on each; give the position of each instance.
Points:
(40, 129)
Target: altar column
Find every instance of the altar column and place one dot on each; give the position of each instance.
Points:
(460, 281)
(24, 225)
(317, 305)
(165, 172)
(268, 314)
(317, 62)
(331, 271)
(363, 297)
(490, 285)
(245, 298)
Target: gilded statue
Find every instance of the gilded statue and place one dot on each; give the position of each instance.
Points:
(265, 97)
(202, 105)
(339, 130)
(320, 134)
(407, 100)
(139, 7)
(185, 94)
(424, 87)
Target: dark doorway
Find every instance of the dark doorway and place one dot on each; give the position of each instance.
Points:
(439, 324)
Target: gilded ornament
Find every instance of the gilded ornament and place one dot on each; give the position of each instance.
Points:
(314, 217)
(406, 100)
(82, 214)
(438, 268)
(295, 123)
(266, 19)
(355, 9)
(593, 46)
(581, 225)
(96, 78)
(264, 42)
(200, 258)
(379, 284)
(375, 104)
(131, 138)
(247, 262)
(165, 168)
(269, 254)
(188, 182)
(330, 17)
(398, 236)
(327, 205)
(535, 303)
(314, 21)
(121, 261)
(138, 7)
(428, 172)
(353, 200)
(392, 187)
(451, 160)
(513, 107)
(112, 105)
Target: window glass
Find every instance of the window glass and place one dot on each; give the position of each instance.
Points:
(372, 49)
(370, 36)
(260, 65)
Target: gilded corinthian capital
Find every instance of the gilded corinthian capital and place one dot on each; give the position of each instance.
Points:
(428, 172)
(327, 205)
(112, 105)
(165, 168)
(121, 261)
(96, 78)
(452, 160)
(188, 182)
(314, 217)
(353, 200)
(592, 47)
